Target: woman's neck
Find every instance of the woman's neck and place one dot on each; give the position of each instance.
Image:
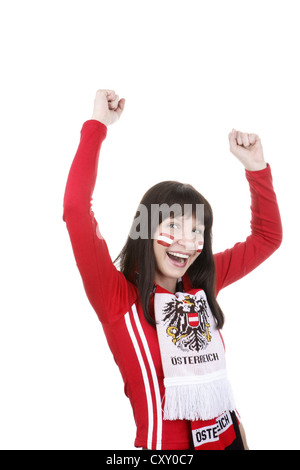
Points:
(166, 283)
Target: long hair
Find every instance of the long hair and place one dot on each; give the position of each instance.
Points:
(137, 262)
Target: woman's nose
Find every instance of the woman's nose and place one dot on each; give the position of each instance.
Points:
(187, 242)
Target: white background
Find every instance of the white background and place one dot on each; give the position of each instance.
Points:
(190, 71)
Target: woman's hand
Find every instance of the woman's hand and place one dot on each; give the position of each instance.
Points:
(247, 148)
(107, 107)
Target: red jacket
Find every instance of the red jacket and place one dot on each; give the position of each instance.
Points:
(133, 342)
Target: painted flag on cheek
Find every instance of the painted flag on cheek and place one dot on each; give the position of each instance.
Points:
(200, 247)
(165, 239)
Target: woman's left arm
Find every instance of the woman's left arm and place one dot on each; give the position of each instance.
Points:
(266, 227)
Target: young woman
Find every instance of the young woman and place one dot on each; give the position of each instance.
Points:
(159, 310)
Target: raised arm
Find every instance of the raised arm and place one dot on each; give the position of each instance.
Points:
(266, 228)
(108, 291)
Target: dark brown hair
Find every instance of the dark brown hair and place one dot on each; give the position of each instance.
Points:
(137, 261)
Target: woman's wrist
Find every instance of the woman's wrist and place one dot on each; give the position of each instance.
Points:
(256, 166)
(98, 118)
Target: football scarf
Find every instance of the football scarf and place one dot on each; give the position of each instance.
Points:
(217, 434)
(193, 357)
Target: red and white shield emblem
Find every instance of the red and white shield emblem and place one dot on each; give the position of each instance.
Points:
(193, 316)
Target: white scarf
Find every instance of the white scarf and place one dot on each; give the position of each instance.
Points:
(193, 357)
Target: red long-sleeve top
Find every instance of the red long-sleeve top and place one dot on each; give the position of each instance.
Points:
(133, 342)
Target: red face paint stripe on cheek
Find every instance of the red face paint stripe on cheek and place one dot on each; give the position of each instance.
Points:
(165, 239)
(200, 247)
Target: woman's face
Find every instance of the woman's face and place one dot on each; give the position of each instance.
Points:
(177, 243)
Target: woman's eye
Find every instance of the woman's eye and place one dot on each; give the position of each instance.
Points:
(173, 226)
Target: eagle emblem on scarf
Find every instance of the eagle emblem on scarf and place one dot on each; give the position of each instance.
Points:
(187, 323)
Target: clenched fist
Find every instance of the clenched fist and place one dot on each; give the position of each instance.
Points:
(248, 150)
(107, 107)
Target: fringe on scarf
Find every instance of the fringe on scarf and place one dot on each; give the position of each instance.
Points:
(198, 401)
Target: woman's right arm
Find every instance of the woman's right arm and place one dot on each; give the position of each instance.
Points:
(108, 291)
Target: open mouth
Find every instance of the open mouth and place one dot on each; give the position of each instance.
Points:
(178, 259)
